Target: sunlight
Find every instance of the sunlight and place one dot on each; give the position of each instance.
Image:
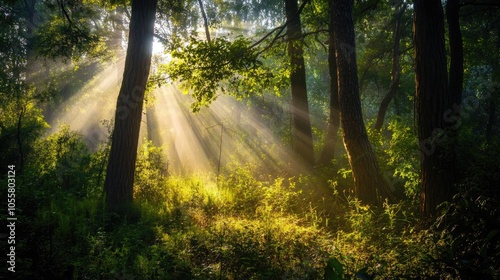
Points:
(224, 133)
(158, 48)
(211, 140)
(94, 103)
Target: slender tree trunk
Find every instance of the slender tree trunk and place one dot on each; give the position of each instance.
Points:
(205, 19)
(432, 100)
(369, 184)
(301, 124)
(396, 68)
(328, 152)
(118, 185)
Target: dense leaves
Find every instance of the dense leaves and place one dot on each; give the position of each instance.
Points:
(218, 66)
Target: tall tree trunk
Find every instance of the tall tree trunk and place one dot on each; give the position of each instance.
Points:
(301, 123)
(328, 152)
(396, 68)
(456, 51)
(118, 185)
(432, 100)
(369, 184)
(205, 20)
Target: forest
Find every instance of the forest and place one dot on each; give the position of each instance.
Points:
(250, 139)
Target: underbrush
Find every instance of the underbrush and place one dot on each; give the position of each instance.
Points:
(236, 227)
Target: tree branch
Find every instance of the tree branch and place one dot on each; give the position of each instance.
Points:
(66, 15)
(279, 29)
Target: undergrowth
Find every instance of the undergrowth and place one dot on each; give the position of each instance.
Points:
(236, 227)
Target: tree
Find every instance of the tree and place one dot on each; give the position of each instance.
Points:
(432, 100)
(395, 69)
(119, 181)
(301, 124)
(328, 152)
(369, 184)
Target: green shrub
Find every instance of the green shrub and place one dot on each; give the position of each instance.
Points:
(387, 243)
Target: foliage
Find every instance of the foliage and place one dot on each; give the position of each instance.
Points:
(21, 123)
(150, 174)
(240, 228)
(385, 243)
(398, 150)
(64, 164)
(72, 41)
(70, 29)
(220, 65)
(472, 219)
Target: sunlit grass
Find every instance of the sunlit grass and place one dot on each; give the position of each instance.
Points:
(194, 226)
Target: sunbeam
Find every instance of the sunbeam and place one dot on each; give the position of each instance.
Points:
(224, 133)
(94, 103)
(208, 141)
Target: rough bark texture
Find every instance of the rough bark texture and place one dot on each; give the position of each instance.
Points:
(396, 68)
(369, 184)
(119, 181)
(328, 152)
(432, 100)
(301, 124)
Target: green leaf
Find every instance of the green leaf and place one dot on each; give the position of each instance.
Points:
(334, 270)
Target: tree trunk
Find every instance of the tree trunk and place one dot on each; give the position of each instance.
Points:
(205, 20)
(396, 68)
(301, 124)
(369, 184)
(328, 152)
(432, 100)
(119, 181)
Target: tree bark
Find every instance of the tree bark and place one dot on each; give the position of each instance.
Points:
(328, 152)
(396, 68)
(432, 100)
(301, 124)
(119, 181)
(370, 186)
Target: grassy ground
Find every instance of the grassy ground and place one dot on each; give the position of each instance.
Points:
(236, 227)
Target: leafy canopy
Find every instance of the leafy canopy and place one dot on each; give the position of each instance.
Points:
(218, 66)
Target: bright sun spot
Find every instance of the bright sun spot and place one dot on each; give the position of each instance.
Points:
(157, 47)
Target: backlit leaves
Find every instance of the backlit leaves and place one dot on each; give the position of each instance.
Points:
(58, 38)
(219, 66)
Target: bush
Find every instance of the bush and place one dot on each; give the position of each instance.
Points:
(386, 243)
(472, 219)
